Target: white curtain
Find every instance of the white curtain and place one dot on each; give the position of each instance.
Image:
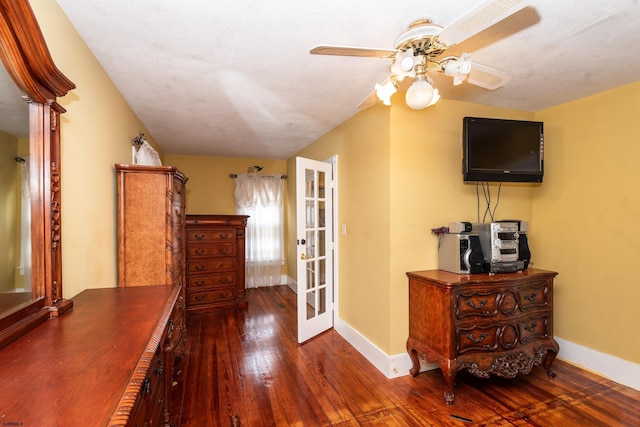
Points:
(25, 226)
(147, 155)
(261, 197)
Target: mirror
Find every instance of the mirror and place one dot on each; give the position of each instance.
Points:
(15, 205)
(27, 62)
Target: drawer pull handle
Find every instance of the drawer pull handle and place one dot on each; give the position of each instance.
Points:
(199, 267)
(199, 282)
(530, 327)
(223, 236)
(199, 251)
(199, 236)
(477, 340)
(481, 304)
(199, 297)
(530, 297)
(223, 251)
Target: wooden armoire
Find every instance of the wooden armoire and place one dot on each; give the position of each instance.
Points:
(151, 225)
(151, 251)
(151, 234)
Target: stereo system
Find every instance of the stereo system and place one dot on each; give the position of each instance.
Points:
(495, 247)
(460, 253)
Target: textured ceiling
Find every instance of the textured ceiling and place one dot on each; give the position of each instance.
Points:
(236, 78)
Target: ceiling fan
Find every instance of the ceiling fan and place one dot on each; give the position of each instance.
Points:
(419, 50)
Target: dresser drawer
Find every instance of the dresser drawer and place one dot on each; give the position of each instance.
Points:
(196, 251)
(153, 384)
(139, 412)
(211, 265)
(476, 303)
(477, 338)
(211, 280)
(500, 303)
(203, 234)
(210, 296)
(502, 336)
(534, 296)
(534, 327)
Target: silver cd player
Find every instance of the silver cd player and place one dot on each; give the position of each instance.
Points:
(499, 240)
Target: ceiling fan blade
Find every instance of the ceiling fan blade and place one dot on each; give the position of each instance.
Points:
(487, 77)
(479, 18)
(363, 52)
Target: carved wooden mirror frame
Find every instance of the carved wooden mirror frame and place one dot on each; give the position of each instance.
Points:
(26, 58)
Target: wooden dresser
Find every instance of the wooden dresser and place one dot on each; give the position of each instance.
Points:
(151, 213)
(215, 262)
(106, 362)
(486, 324)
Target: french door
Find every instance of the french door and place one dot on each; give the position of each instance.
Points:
(314, 239)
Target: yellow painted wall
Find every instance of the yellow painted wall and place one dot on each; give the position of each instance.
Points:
(361, 144)
(399, 177)
(586, 218)
(96, 133)
(209, 189)
(427, 191)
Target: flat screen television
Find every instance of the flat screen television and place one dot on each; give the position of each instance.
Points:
(498, 150)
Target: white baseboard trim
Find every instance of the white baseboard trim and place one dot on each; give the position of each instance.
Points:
(390, 366)
(292, 284)
(612, 367)
(619, 370)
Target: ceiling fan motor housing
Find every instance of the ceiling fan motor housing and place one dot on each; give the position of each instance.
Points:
(421, 37)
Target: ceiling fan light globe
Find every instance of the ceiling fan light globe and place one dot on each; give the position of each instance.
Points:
(384, 92)
(403, 65)
(459, 69)
(419, 95)
(436, 97)
(407, 63)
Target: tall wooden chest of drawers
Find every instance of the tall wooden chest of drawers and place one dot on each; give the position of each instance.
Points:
(215, 262)
(151, 233)
(151, 225)
(486, 324)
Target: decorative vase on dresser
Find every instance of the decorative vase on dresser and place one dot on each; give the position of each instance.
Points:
(485, 324)
(215, 262)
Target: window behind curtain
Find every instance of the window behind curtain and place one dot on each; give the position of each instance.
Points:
(261, 197)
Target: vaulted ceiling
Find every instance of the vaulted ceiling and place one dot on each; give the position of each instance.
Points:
(236, 78)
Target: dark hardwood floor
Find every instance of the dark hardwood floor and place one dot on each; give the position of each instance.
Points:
(246, 368)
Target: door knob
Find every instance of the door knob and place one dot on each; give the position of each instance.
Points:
(305, 257)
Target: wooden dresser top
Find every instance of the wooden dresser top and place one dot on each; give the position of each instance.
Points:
(72, 370)
(447, 279)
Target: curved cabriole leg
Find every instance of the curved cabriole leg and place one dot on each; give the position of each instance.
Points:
(548, 360)
(415, 360)
(449, 370)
